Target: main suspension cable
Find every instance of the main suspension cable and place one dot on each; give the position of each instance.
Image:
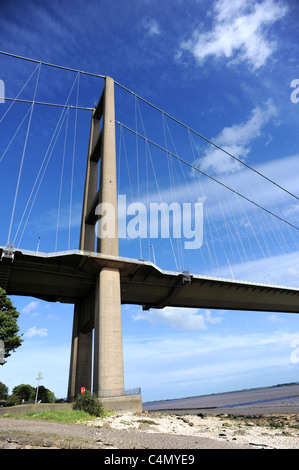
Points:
(22, 159)
(158, 109)
(51, 65)
(206, 139)
(206, 174)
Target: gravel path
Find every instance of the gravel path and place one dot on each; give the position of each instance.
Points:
(23, 433)
(154, 431)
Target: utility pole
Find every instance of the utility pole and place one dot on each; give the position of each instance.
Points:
(38, 378)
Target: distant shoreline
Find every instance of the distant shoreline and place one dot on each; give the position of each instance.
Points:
(221, 393)
(281, 398)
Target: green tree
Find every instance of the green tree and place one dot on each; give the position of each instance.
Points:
(24, 392)
(8, 325)
(3, 391)
(44, 394)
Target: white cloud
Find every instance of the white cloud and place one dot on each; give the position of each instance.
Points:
(151, 27)
(236, 140)
(194, 364)
(238, 32)
(48, 221)
(51, 359)
(179, 318)
(31, 306)
(277, 270)
(275, 318)
(33, 331)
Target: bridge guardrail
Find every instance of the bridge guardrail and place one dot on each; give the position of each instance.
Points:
(119, 392)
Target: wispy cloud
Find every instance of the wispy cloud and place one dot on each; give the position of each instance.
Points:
(238, 32)
(151, 27)
(34, 331)
(181, 319)
(50, 358)
(277, 270)
(275, 318)
(236, 140)
(48, 220)
(193, 363)
(30, 307)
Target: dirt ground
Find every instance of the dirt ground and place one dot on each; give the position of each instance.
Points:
(152, 430)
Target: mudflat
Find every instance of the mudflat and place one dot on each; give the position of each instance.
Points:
(269, 400)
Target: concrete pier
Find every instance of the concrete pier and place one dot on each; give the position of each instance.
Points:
(103, 314)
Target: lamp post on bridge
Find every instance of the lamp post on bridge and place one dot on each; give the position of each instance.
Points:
(38, 243)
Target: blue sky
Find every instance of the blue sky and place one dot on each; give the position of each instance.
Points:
(223, 68)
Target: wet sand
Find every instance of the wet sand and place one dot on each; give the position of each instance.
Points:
(273, 400)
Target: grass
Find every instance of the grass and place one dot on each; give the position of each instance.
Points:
(63, 416)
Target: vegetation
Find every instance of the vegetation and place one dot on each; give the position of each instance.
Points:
(8, 325)
(61, 416)
(25, 393)
(88, 403)
(84, 406)
(3, 392)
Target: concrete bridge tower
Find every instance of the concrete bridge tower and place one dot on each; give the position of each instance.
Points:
(101, 310)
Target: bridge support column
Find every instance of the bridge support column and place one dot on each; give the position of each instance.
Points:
(108, 352)
(81, 357)
(108, 376)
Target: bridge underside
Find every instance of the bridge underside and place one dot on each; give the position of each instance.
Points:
(70, 277)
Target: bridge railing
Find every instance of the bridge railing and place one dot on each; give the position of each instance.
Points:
(119, 392)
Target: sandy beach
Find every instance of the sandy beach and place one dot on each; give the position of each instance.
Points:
(253, 419)
(148, 430)
(276, 432)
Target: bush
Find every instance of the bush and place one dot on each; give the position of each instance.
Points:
(89, 403)
(12, 400)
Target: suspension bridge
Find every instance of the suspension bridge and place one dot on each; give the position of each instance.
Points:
(93, 276)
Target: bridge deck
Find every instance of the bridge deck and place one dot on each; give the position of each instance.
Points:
(70, 275)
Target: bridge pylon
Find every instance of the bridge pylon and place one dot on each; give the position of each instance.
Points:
(101, 310)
